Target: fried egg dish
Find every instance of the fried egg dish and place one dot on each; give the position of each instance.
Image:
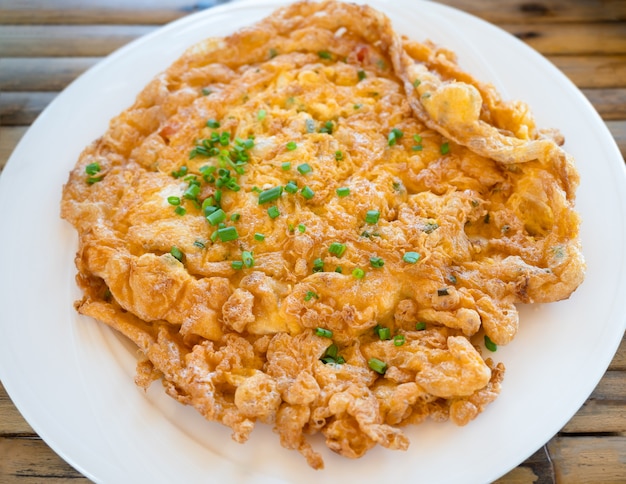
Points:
(323, 226)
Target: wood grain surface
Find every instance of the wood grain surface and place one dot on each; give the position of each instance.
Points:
(45, 44)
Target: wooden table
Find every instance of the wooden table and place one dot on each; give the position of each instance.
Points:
(45, 44)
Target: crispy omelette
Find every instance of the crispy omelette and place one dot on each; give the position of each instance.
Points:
(320, 225)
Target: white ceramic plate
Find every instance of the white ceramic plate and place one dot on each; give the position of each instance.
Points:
(72, 378)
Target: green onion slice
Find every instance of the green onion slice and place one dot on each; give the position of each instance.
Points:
(273, 212)
(490, 345)
(177, 253)
(270, 195)
(323, 332)
(411, 257)
(377, 365)
(307, 193)
(337, 249)
(304, 168)
(372, 216)
(227, 234)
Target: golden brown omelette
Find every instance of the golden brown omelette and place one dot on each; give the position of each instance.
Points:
(319, 225)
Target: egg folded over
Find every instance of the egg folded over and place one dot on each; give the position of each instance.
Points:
(315, 223)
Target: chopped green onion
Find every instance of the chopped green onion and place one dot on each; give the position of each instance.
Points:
(372, 216)
(225, 138)
(343, 191)
(180, 210)
(490, 345)
(236, 264)
(384, 333)
(246, 257)
(332, 351)
(94, 179)
(445, 148)
(260, 237)
(318, 265)
(327, 128)
(192, 192)
(206, 91)
(261, 114)
(177, 253)
(173, 200)
(270, 195)
(301, 228)
(291, 187)
(411, 257)
(310, 125)
(338, 155)
(310, 295)
(358, 273)
(92, 168)
(357, 106)
(394, 135)
(324, 54)
(416, 82)
(286, 165)
(227, 234)
(235, 217)
(324, 333)
(182, 171)
(417, 138)
(273, 211)
(337, 249)
(430, 227)
(377, 365)
(421, 326)
(399, 340)
(216, 217)
(452, 279)
(361, 74)
(443, 292)
(200, 244)
(273, 53)
(307, 193)
(338, 270)
(417, 148)
(212, 123)
(304, 168)
(377, 262)
(292, 145)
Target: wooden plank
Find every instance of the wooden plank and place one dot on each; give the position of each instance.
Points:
(67, 40)
(582, 460)
(572, 39)
(31, 461)
(529, 11)
(618, 130)
(610, 103)
(19, 108)
(9, 137)
(537, 468)
(99, 11)
(150, 12)
(611, 387)
(41, 73)
(603, 71)
(598, 417)
(11, 421)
